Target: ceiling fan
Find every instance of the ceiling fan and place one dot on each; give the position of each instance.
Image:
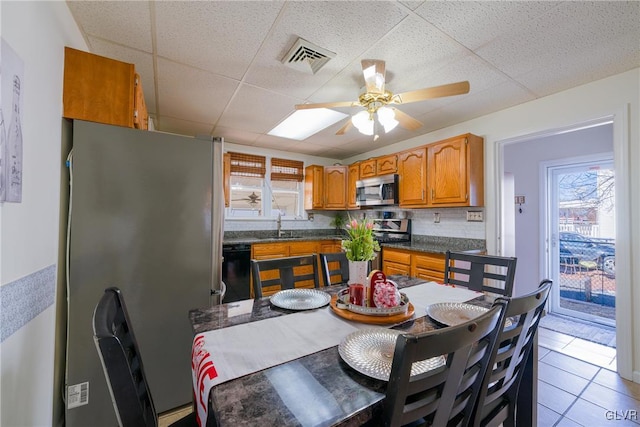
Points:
(376, 99)
(252, 199)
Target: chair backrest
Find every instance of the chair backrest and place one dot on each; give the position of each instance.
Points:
(335, 268)
(482, 273)
(499, 391)
(272, 275)
(121, 361)
(445, 395)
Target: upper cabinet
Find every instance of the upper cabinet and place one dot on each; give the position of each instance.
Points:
(387, 164)
(353, 175)
(313, 187)
(102, 90)
(325, 187)
(447, 173)
(455, 172)
(335, 187)
(379, 166)
(412, 171)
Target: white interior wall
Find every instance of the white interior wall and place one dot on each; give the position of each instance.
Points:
(523, 160)
(37, 32)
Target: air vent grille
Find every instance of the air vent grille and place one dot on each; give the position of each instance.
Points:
(305, 56)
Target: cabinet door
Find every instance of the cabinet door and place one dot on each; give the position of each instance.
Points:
(98, 89)
(412, 169)
(269, 250)
(390, 268)
(367, 168)
(447, 172)
(313, 187)
(387, 164)
(140, 114)
(335, 186)
(428, 266)
(303, 248)
(353, 176)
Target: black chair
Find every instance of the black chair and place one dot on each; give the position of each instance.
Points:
(123, 367)
(276, 274)
(482, 273)
(445, 396)
(335, 268)
(499, 392)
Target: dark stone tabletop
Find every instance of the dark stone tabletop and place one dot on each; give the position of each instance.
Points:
(318, 389)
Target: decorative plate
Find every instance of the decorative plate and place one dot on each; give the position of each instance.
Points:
(300, 299)
(370, 352)
(455, 313)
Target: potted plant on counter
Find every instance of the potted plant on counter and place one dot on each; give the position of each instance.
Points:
(360, 248)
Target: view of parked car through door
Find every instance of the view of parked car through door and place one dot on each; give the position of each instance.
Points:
(584, 210)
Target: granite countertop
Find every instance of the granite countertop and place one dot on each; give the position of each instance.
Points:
(273, 239)
(437, 248)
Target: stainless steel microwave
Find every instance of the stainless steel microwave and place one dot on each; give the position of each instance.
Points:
(378, 191)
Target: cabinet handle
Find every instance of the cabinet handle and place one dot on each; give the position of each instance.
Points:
(423, 194)
(432, 194)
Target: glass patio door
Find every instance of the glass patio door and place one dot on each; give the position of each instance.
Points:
(581, 224)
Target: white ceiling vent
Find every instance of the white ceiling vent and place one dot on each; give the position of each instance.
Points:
(305, 56)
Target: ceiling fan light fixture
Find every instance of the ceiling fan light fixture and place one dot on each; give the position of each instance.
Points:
(363, 122)
(386, 117)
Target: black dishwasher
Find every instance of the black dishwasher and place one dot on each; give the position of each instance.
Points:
(236, 271)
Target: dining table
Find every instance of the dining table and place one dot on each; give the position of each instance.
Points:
(262, 364)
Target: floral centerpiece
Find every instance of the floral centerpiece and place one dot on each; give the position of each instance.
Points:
(360, 244)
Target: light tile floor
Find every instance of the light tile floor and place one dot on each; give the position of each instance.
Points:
(578, 384)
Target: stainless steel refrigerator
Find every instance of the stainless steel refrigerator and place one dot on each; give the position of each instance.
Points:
(146, 216)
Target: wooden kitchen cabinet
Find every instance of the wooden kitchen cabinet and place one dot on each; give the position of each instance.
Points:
(387, 164)
(353, 174)
(313, 187)
(269, 250)
(396, 261)
(428, 266)
(368, 168)
(412, 171)
(455, 172)
(303, 248)
(335, 187)
(102, 90)
(325, 187)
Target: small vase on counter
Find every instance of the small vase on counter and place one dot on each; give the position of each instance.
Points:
(358, 275)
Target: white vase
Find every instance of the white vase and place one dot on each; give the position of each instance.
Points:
(358, 272)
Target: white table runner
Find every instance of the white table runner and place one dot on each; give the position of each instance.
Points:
(225, 354)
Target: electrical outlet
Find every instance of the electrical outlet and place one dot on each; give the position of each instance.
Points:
(519, 200)
(475, 216)
(436, 217)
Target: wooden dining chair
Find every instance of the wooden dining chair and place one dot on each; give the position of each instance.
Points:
(446, 395)
(123, 368)
(272, 275)
(499, 392)
(335, 268)
(482, 273)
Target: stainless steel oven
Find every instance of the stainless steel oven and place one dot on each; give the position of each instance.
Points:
(389, 231)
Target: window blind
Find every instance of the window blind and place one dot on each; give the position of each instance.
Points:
(287, 170)
(247, 165)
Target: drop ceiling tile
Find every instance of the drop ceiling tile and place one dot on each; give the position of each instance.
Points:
(190, 94)
(218, 36)
(182, 127)
(143, 63)
(256, 110)
(475, 23)
(561, 36)
(413, 51)
(340, 27)
(124, 22)
(235, 136)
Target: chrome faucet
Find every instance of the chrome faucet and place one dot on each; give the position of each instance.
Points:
(279, 223)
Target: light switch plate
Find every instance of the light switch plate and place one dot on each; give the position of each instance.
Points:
(475, 216)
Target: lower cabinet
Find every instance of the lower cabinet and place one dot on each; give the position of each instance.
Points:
(285, 249)
(423, 265)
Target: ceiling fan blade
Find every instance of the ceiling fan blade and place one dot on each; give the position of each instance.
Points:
(374, 75)
(345, 128)
(432, 92)
(328, 105)
(406, 121)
